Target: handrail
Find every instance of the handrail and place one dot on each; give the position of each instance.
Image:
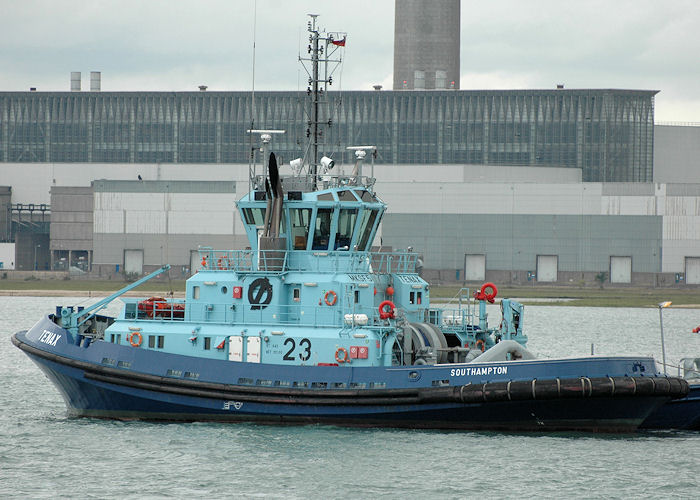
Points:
(288, 314)
(72, 320)
(246, 261)
(326, 181)
(459, 296)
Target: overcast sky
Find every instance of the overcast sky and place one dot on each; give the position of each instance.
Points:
(505, 44)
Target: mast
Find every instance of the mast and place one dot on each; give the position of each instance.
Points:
(322, 49)
(314, 93)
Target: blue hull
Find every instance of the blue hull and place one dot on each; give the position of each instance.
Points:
(105, 380)
(677, 414)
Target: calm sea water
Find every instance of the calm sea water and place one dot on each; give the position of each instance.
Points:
(44, 454)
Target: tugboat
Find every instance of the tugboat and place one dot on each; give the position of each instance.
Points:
(310, 325)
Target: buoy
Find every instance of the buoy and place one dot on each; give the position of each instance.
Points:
(390, 290)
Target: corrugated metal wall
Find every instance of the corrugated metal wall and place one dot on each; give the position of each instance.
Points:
(607, 133)
(165, 219)
(513, 242)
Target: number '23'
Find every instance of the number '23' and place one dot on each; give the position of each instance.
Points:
(303, 343)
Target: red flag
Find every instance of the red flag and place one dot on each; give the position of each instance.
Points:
(339, 43)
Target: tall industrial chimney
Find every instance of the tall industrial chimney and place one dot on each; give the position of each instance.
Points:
(426, 44)
(75, 81)
(95, 81)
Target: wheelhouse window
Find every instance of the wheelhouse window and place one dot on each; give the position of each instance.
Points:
(255, 216)
(366, 226)
(346, 224)
(322, 229)
(300, 219)
(366, 196)
(346, 196)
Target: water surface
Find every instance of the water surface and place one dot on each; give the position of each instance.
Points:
(44, 454)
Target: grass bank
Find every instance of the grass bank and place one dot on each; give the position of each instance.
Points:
(570, 296)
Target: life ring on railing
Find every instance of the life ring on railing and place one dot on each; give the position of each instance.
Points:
(344, 352)
(482, 295)
(135, 343)
(384, 313)
(222, 264)
(482, 344)
(330, 298)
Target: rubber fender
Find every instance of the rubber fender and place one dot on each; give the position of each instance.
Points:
(644, 386)
(679, 386)
(496, 391)
(662, 386)
(471, 393)
(625, 386)
(574, 388)
(521, 390)
(545, 389)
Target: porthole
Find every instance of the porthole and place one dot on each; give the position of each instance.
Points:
(224, 290)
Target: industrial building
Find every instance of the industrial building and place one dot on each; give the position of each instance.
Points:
(607, 134)
(509, 224)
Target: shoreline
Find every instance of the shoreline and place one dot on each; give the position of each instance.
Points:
(543, 297)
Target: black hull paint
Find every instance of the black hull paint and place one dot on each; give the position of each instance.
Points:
(681, 413)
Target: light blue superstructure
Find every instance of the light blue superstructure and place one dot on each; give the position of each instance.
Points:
(315, 299)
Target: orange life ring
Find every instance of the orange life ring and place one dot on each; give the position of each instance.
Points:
(383, 313)
(483, 345)
(494, 291)
(344, 358)
(135, 343)
(332, 295)
(482, 295)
